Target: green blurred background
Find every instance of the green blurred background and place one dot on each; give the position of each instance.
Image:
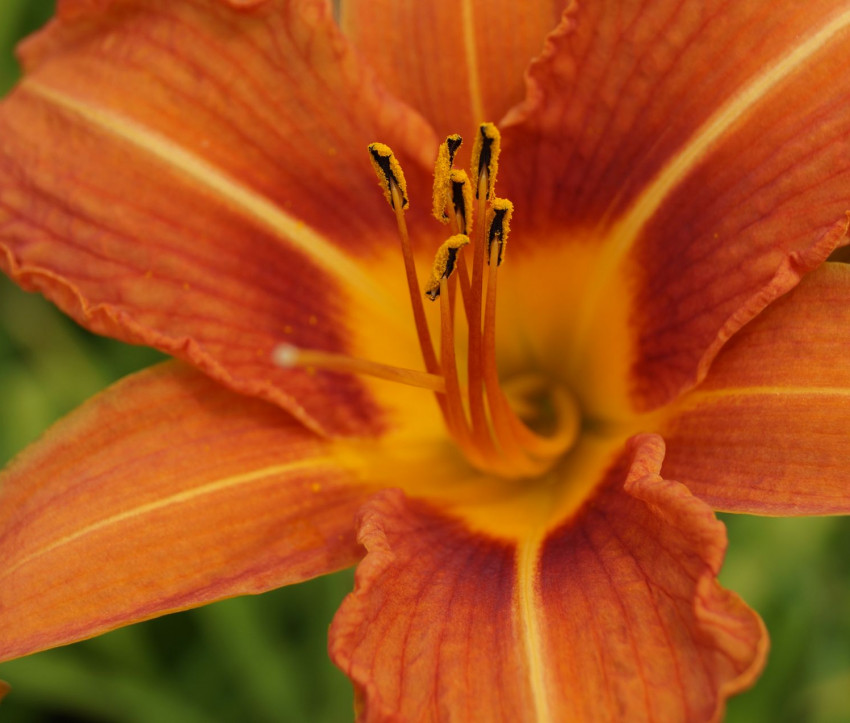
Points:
(263, 659)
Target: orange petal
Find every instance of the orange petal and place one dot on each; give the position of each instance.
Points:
(459, 64)
(615, 615)
(165, 492)
(700, 148)
(664, 636)
(194, 176)
(767, 430)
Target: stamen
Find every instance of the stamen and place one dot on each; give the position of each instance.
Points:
(288, 356)
(461, 200)
(515, 454)
(442, 175)
(485, 155)
(498, 228)
(389, 173)
(480, 451)
(510, 430)
(480, 418)
(461, 210)
(391, 177)
(444, 263)
(455, 415)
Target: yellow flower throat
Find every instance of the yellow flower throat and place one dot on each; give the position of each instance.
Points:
(478, 416)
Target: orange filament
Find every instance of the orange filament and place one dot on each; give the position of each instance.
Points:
(463, 272)
(425, 343)
(480, 417)
(509, 429)
(456, 417)
(391, 178)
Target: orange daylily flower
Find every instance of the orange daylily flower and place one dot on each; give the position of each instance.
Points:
(533, 489)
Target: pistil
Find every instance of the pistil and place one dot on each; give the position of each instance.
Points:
(290, 356)
(510, 431)
(388, 167)
(485, 158)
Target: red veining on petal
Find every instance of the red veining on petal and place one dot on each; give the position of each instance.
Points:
(774, 407)
(631, 623)
(180, 204)
(430, 615)
(637, 572)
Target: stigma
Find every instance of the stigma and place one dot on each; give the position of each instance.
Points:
(475, 409)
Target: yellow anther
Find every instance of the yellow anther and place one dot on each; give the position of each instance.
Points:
(462, 199)
(498, 227)
(444, 263)
(389, 173)
(442, 173)
(485, 155)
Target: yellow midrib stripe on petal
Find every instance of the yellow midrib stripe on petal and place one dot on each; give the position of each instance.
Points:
(470, 48)
(527, 558)
(288, 229)
(697, 398)
(176, 499)
(623, 234)
(740, 104)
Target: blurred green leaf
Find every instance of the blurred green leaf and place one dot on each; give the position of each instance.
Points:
(17, 19)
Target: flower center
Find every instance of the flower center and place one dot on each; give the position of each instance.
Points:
(518, 430)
